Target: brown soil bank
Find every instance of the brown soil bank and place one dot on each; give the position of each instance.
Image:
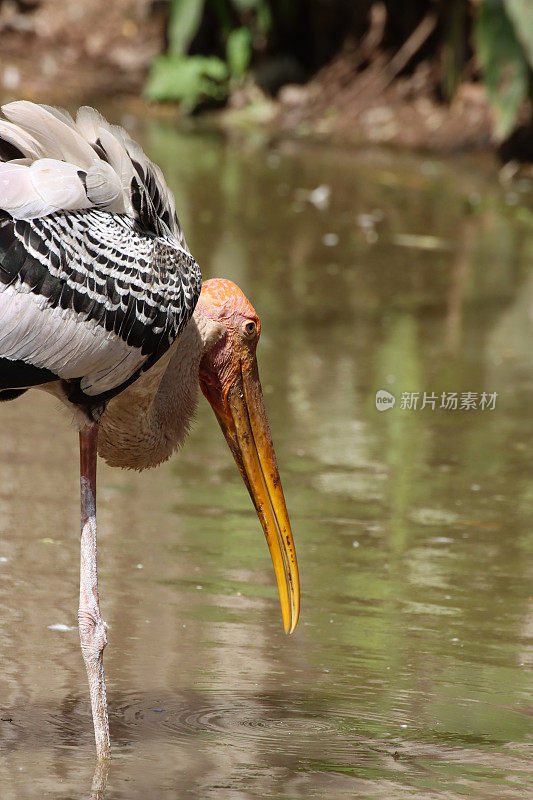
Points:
(354, 107)
(76, 51)
(373, 92)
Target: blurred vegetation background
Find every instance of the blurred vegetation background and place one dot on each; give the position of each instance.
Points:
(441, 74)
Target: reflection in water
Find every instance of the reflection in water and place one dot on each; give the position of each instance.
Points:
(407, 674)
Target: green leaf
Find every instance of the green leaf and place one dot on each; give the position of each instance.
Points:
(520, 13)
(184, 21)
(264, 17)
(239, 51)
(503, 63)
(190, 79)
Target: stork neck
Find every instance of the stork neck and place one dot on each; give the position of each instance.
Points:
(149, 420)
(174, 402)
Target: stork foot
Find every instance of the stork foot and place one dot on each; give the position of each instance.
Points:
(93, 639)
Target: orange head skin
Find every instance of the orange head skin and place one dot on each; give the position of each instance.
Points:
(222, 301)
(229, 379)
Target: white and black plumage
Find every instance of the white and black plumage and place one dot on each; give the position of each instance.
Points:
(96, 281)
(101, 304)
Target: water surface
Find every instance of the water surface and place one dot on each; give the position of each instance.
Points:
(409, 674)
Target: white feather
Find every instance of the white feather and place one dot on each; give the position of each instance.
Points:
(58, 138)
(45, 133)
(104, 188)
(17, 195)
(88, 122)
(20, 139)
(69, 345)
(61, 114)
(120, 161)
(119, 147)
(46, 187)
(59, 185)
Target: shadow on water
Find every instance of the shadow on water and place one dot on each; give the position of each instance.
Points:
(409, 674)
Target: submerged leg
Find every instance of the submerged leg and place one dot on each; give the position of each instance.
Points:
(99, 784)
(93, 630)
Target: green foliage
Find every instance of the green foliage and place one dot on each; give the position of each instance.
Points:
(503, 60)
(184, 21)
(520, 13)
(239, 51)
(238, 30)
(190, 79)
(195, 79)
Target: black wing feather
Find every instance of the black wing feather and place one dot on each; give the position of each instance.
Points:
(101, 268)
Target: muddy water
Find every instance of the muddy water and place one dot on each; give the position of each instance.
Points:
(409, 674)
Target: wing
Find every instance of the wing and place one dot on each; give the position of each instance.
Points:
(86, 296)
(54, 163)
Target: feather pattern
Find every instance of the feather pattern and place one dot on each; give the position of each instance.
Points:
(96, 281)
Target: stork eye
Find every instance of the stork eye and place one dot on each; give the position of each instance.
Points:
(249, 329)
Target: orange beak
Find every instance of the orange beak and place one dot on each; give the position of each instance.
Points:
(240, 410)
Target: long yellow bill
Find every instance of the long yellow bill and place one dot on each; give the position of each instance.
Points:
(247, 432)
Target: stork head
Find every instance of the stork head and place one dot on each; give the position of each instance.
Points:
(229, 379)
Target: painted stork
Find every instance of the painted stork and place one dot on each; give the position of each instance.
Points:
(101, 304)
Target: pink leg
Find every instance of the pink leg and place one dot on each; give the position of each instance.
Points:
(93, 630)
